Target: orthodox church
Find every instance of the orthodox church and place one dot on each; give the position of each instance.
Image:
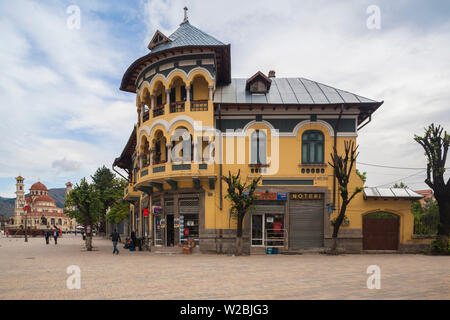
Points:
(43, 212)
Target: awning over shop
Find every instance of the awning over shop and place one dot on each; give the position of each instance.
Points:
(391, 193)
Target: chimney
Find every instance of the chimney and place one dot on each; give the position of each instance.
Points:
(272, 74)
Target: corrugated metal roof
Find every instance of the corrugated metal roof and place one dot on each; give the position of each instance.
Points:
(391, 193)
(188, 35)
(287, 91)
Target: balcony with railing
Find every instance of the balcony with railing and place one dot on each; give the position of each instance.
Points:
(176, 171)
(131, 192)
(199, 105)
(158, 111)
(177, 107)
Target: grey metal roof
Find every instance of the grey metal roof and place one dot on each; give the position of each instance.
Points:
(391, 193)
(287, 91)
(188, 35)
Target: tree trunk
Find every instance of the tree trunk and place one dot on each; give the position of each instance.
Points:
(334, 246)
(238, 246)
(337, 225)
(239, 234)
(89, 242)
(444, 220)
(102, 225)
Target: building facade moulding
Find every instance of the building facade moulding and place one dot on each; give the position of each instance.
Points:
(167, 80)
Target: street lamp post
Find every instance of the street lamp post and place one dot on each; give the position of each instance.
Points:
(26, 208)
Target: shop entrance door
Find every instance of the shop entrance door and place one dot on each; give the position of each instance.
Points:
(170, 231)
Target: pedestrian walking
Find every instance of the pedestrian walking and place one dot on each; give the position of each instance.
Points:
(115, 237)
(47, 237)
(55, 236)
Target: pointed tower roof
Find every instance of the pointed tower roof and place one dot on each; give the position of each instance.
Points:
(188, 35)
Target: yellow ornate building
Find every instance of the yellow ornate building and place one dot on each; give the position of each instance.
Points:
(195, 124)
(43, 212)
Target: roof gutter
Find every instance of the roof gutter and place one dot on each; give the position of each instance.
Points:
(113, 167)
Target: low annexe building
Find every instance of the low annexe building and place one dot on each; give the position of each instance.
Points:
(195, 124)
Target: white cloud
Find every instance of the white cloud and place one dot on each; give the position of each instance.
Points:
(57, 99)
(59, 96)
(66, 165)
(407, 66)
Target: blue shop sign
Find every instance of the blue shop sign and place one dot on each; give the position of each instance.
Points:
(282, 195)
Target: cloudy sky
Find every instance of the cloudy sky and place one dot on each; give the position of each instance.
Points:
(63, 115)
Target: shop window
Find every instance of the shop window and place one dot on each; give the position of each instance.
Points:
(268, 230)
(312, 147)
(137, 223)
(157, 230)
(191, 229)
(258, 147)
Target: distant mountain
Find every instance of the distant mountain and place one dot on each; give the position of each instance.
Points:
(7, 207)
(7, 204)
(59, 195)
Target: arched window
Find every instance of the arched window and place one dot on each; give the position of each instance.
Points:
(312, 147)
(258, 147)
(160, 150)
(182, 145)
(53, 221)
(60, 221)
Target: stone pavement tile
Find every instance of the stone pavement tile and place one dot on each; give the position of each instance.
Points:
(34, 270)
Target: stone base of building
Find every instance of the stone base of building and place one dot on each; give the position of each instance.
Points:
(222, 241)
(413, 247)
(349, 245)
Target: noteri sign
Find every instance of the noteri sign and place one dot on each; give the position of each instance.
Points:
(306, 196)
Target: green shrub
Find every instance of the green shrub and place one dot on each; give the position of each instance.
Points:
(440, 247)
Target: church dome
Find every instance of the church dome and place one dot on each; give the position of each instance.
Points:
(44, 198)
(38, 186)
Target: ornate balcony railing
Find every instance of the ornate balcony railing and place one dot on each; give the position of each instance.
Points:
(158, 111)
(199, 105)
(177, 107)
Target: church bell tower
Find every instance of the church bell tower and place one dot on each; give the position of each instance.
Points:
(20, 197)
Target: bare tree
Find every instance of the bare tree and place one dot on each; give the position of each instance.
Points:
(342, 166)
(435, 142)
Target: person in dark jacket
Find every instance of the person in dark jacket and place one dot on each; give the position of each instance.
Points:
(133, 239)
(47, 237)
(115, 237)
(55, 236)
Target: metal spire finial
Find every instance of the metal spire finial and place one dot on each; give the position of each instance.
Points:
(185, 14)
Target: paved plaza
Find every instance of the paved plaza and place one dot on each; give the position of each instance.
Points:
(34, 270)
